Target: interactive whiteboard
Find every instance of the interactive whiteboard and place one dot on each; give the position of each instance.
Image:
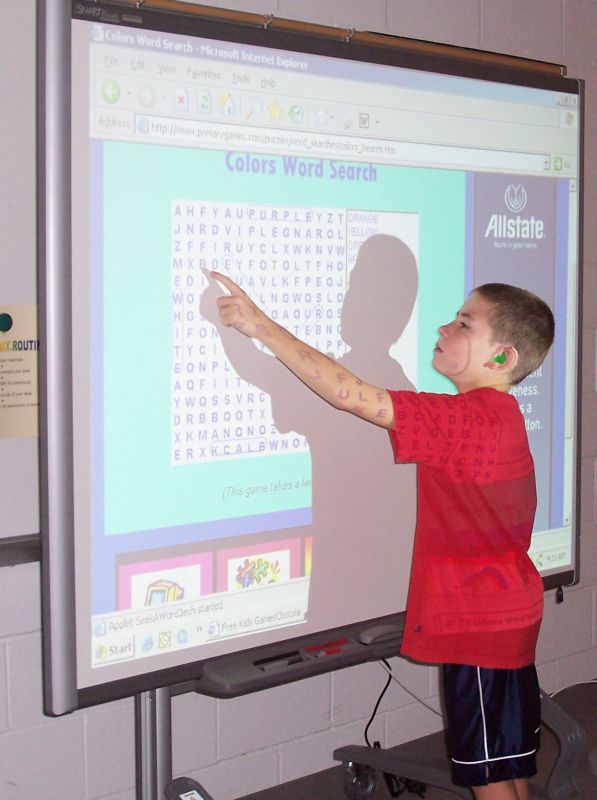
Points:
(358, 195)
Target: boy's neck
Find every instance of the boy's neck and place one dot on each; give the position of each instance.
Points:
(499, 386)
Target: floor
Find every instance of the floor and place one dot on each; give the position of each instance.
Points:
(579, 702)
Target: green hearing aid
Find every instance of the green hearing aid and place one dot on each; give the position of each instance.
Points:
(500, 358)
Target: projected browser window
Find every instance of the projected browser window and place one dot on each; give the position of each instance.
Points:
(218, 499)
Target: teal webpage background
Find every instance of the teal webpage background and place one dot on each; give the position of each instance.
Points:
(142, 491)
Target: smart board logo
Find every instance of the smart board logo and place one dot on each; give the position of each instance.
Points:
(516, 198)
(82, 9)
(526, 230)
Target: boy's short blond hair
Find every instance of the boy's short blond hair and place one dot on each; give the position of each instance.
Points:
(522, 320)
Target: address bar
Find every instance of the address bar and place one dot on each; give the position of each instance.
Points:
(329, 145)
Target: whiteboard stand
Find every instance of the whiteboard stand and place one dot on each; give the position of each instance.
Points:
(362, 762)
(153, 751)
(153, 743)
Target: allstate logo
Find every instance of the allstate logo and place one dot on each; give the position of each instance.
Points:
(516, 198)
(504, 227)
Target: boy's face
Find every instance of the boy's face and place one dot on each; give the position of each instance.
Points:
(466, 347)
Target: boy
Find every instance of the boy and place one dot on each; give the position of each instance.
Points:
(475, 599)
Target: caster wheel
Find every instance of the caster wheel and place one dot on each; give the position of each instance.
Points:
(359, 781)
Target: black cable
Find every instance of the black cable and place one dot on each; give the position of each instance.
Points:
(379, 699)
(395, 784)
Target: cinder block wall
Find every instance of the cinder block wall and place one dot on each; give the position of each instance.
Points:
(236, 747)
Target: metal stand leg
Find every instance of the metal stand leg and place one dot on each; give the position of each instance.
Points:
(572, 741)
(153, 743)
(435, 771)
(153, 751)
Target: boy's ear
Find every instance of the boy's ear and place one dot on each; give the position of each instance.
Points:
(505, 358)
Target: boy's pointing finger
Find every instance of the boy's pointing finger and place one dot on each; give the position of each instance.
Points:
(229, 284)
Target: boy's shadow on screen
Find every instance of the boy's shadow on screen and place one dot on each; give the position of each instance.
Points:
(363, 505)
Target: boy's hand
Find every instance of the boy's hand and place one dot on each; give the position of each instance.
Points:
(326, 377)
(237, 310)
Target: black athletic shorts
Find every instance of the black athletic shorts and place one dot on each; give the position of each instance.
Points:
(493, 718)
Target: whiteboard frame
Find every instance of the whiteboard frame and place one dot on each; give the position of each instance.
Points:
(54, 258)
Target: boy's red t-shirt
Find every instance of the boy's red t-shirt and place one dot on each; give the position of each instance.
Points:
(475, 596)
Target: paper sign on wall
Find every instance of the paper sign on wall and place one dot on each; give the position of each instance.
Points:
(19, 348)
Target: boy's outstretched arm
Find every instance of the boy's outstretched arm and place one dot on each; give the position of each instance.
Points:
(330, 380)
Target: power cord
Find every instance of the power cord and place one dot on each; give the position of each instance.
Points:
(392, 677)
(395, 784)
(379, 699)
(388, 669)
